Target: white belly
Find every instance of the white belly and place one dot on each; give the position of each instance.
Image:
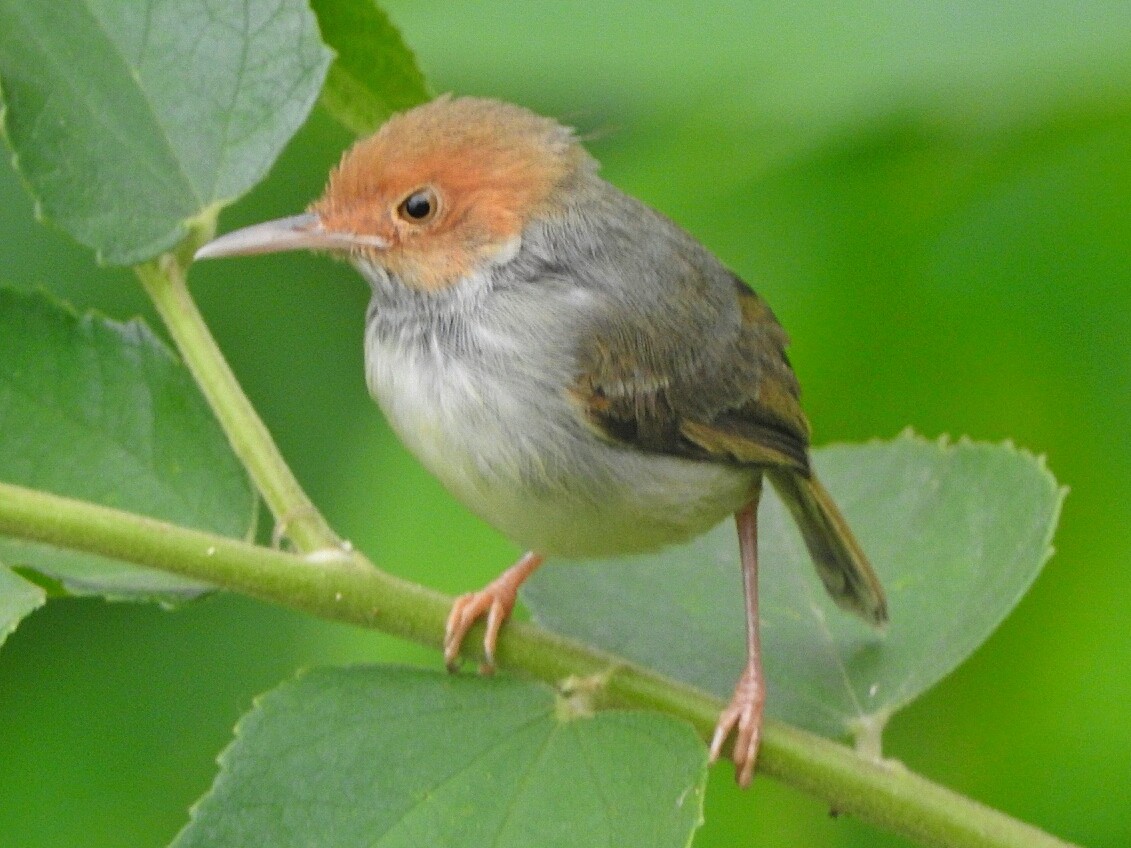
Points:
(515, 452)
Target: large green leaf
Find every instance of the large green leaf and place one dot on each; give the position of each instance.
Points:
(101, 411)
(388, 757)
(18, 598)
(129, 119)
(957, 534)
(374, 74)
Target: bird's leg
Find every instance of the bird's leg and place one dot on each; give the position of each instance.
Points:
(495, 600)
(744, 713)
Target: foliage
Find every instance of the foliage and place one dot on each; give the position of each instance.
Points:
(128, 120)
(374, 73)
(459, 761)
(104, 412)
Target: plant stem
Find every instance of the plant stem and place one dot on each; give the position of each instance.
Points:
(164, 281)
(347, 588)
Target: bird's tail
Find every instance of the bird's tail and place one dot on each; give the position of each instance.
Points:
(841, 562)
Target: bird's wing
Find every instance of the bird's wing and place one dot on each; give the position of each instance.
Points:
(721, 391)
(713, 383)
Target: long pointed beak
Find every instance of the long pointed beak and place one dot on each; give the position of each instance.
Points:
(298, 232)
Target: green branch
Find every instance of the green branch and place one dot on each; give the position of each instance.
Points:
(348, 589)
(164, 281)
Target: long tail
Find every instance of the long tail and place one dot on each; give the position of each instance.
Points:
(841, 563)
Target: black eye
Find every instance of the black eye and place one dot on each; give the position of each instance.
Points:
(420, 206)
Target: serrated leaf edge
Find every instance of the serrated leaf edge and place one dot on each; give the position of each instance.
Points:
(867, 729)
(7, 629)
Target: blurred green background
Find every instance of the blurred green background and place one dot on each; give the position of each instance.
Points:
(936, 199)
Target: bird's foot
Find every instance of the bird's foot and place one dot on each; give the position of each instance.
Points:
(744, 716)
(496, 600)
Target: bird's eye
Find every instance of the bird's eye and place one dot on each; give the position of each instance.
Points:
(419, 207)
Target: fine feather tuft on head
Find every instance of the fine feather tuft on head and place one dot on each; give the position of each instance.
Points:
(476, 170)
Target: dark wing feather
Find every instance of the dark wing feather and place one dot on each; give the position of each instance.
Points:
(724, 392)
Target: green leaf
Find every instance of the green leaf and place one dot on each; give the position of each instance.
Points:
(102, 411)
(388, 757)
(130, 119)
(18, 599)
(374, 74)
(957, 534)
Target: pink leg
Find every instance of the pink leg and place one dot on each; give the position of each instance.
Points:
(744, 713)
(495, 600)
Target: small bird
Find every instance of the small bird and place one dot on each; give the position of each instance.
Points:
(573, 366)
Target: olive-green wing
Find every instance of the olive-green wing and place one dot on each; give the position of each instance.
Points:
(726, 394)
(729, 395)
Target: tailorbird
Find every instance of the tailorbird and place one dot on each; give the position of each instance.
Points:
(572, 365)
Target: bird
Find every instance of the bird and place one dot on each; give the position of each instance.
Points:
(577, 369)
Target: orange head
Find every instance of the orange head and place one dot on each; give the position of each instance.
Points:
(434, 193)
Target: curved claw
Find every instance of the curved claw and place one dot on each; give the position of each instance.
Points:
(496, 600)
(743, 715)
(467, 610)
